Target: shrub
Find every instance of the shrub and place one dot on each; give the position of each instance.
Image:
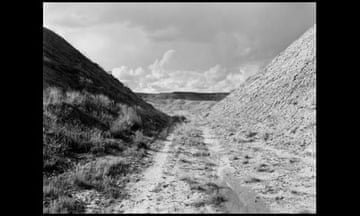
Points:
(51, 191)
(110, 187)
(55, 188)
(107, 147)
(98, 149)
(102, 175)
(74, 97)
(56, 164)
(140, 140)
(217, 200)
(95, 174)
(103, 100)
(118, 168)
(178, 119)
(84, 176)
(131, 115)
(65, 205)
(119, 129)
(128, 121)
(70, 140)
(53, 96)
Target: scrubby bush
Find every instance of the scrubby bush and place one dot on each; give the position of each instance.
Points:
(94, 173)
(118, 168)
(53, 96)
(140, 140)
(56, 164)
(179, 119)
(53, 190)
(102, 175)
(65, 205)
(127, 122)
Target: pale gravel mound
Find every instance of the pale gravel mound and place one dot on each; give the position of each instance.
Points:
(279, 101)
(271, 117)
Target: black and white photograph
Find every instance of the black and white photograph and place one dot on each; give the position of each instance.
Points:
(170, 107)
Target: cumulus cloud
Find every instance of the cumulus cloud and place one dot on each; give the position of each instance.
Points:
(128, 74)
(157, 68)
(156, 78)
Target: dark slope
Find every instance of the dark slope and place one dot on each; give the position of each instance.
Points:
(64, 66)
(84, 107)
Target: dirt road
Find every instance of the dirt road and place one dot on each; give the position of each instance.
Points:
(198, 171)
(191, 174)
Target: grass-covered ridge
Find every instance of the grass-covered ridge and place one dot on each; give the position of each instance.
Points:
(96, 131)
(88, 141)
(76, 123)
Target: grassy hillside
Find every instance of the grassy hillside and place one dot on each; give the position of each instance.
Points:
(96, 131)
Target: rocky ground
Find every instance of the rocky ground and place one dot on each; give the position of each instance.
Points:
(285, 180)
(188, 177)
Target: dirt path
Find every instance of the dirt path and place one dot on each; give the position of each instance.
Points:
(189, 175)
(142, 198)
(166, 187)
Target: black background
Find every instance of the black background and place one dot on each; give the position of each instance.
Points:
(22, 83)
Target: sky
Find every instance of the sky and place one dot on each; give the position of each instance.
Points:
(163, 47)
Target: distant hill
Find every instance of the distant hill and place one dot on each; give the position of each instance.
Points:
(217, 96)
(188, 104)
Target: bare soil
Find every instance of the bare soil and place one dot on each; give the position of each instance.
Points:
(190, 174)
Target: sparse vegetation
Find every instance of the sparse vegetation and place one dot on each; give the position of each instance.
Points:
(102, 175)
(140, 140)
(65, 205)
(80, 128)
(81, 123)
(128, 122)
(56, 193)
